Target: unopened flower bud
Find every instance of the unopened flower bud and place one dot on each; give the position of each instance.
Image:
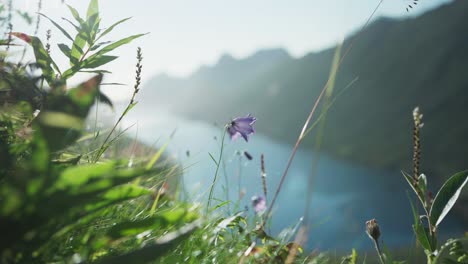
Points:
(372, 229)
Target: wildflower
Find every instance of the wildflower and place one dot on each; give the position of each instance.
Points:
(259, 204)
(373, 231)
(241, 126)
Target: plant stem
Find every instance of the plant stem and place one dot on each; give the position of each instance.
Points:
(216, 172)
(131, 104)
(309, 118)
(240, 176)
(379, 252)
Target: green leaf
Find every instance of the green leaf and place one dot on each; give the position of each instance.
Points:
(60, 120)
(416, 189)
(447, 196)
(423, 236)
(84, 95)
(98, 45)
(43, 59)
(77, 48)
(116, 44)
(96, 61)
(76, 15)
(92, 27)
(77, 28)
(96, 71)
(93, 8)
(129, 108)
(79, 175)
(422, 182)
(64, 32)
(65, 49)
(104, 99)
(109, 29)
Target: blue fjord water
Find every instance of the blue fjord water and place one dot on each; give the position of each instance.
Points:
(344, 195)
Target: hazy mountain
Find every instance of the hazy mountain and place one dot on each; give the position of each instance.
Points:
(400, 64)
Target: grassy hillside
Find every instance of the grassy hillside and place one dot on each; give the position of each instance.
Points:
(400, 64)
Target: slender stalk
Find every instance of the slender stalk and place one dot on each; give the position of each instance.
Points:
(379, 252)
(129, 106)
(309, 118)
(239, 175)
(216, 172)
(227, 185)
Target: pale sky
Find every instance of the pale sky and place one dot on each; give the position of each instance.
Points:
(185, 34)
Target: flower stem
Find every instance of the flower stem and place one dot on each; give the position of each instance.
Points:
(216, 172)
(379, 252)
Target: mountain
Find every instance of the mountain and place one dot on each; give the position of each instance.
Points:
(401, 64)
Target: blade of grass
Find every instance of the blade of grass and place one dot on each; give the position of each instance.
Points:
(309, 118)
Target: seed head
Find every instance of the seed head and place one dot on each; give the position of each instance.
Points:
(372, 229)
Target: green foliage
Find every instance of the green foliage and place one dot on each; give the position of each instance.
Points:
(85, 52)
(447, 196)
(43, 194)
(55, 205)
(435, 210)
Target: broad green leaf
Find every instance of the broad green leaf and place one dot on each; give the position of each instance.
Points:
(447, 196)
(64, 32)
(77, 48)
(423, 237)
(85, 94)
(93, 8)
(97, 61)
(60, 120)
(92, 26)
(116, 44)
(79, 175)
(109, 29)
(43, 58)
(65, 49)
(422, 234)
(104, 99)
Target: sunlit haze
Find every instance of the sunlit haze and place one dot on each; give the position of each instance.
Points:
(187, 34)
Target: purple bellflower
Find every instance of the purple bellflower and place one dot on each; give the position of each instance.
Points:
(259, 204)
(242, 126)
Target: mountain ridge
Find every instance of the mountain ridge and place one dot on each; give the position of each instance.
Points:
(401, 64)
